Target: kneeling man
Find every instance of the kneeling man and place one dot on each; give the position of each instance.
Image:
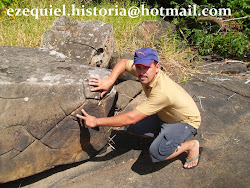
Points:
(169, 113)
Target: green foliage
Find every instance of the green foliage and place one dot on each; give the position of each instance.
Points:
(27, 31)
(230, 39)
(6, 3)
(232, 43)
(241, 8)
(208, 37)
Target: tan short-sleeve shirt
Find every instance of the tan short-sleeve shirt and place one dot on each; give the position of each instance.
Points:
(168, 100)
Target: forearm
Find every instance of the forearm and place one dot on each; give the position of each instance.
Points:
(115, 121)
(119, 68)
(121, 120)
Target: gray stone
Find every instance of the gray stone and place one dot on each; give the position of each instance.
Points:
(113, 61)
(134, 103)
(127, 90)
(40, 93)
(160, 32)
(224, 66)
(233, 67)
(117, 56)
(156, 29)
(223, 101)
(87, 42)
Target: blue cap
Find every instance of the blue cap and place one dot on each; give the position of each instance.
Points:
(145, 56)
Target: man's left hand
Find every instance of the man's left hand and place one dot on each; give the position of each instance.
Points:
(90, 121)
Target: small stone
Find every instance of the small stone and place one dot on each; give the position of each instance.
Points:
(26, 99)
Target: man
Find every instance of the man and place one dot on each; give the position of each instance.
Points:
(169, 113)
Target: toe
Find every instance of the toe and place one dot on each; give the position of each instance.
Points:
(185, 165)
(190, 164)
(194, 163)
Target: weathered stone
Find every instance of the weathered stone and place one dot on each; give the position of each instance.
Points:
(160, 32)
(15, 138)
(117, 56)
(40, 92)
(233, 67)
(224, 105)
(213, 58)
(87, 42)
(156, 29)
(127, 90)
(134, 103)
(131, 106)
(211, 64)
(113, 61)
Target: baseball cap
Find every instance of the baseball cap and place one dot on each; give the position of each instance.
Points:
(145, 56)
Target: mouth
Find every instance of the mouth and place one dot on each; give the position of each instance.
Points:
(143, 77)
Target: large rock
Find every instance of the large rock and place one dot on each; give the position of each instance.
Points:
(40, 92)
(217, 64)
(127, 90)
(88, 42)
(155, 29)
(160, 32)
(224, 105)
(134, 103)
(113, 61)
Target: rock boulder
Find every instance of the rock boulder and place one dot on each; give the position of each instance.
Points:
(217, 64)
(87, 42)
(155, 29)
(40, 92)
(127, 90)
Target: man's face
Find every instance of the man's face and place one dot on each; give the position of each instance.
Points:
(147, 74)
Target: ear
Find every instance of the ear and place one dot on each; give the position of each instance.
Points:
(158, 67)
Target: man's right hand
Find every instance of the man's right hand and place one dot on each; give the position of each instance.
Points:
(104, 84)
(100, 84)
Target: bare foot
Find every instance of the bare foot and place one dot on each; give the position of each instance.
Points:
(193, 153)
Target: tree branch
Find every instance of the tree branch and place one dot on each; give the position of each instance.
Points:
(235, 19)
(210, 18)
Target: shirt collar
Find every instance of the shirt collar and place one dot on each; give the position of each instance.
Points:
(155, 80)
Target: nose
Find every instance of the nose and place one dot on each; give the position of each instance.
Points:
(142, 71)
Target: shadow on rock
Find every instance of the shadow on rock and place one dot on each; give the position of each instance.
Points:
(124, 142)
(121, 142)
(144, 165)
(85, 139)
(40, 176)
